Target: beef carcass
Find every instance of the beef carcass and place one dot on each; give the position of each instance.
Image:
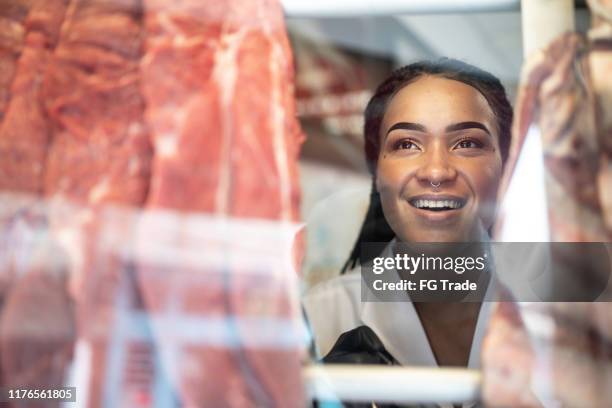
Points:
(564, 94)
(218, 85)
(38, 327)
(185, 106)
(564, 348)
(100, 150)
(24, 134)
(87, 97)
(24, 131)
(232, 147)
(12, 32)
(551, 354)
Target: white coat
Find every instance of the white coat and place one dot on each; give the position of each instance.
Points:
(335, 307)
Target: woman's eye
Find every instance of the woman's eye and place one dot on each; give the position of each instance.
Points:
(468, 144)
(405, 145)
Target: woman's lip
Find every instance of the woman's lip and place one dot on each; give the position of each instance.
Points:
(437, 197)
(437, 216)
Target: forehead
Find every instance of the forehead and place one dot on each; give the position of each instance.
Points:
(437, 102)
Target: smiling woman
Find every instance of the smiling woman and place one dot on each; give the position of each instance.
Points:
(439, 165)
(436, 139)
(434, 132)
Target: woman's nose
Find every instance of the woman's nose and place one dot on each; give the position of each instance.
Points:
(436, 167)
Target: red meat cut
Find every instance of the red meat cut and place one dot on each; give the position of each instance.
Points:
(12, 32)
(218, 85)
(24, 131)
(226, 142)
(564, 357)
(100, 150)
(174, 109)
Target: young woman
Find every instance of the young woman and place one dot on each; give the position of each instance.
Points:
(436, 138)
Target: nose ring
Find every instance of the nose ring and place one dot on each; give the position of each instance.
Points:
(434, 185)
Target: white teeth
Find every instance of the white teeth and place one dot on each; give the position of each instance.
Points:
(437, 204)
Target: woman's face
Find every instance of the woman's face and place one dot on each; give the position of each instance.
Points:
(439, 164)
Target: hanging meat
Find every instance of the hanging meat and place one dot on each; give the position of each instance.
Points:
(183, 114)
(545, 354)
(231, 151)
(100, 150)
(30, 38)
(12, 15)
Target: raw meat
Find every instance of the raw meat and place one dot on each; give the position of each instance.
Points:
(24, 135)
(563, 357)
(24, 131)
(230, 149)
(162, 105)
(100, 151)
(217, 81)
(12, 32)
(563, 94)
(508, 359)
(560, 353)
(38, 328)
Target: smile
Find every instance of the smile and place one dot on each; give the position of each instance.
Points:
(437, 203)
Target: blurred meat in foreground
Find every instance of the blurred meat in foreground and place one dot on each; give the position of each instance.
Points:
(149, 105)
(560, 354)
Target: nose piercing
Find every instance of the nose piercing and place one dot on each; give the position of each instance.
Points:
(434, 185)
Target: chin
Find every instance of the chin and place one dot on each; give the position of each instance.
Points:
(437, 236)
(457, 233)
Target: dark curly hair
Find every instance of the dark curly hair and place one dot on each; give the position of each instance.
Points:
(375, 227)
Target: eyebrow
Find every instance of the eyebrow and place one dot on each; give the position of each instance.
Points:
(450, 128)
(467, 125)
(407, 126)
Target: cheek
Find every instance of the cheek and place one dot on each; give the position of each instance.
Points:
(390, 181)
(391, 176)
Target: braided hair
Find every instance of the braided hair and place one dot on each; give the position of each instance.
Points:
(375, 227)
